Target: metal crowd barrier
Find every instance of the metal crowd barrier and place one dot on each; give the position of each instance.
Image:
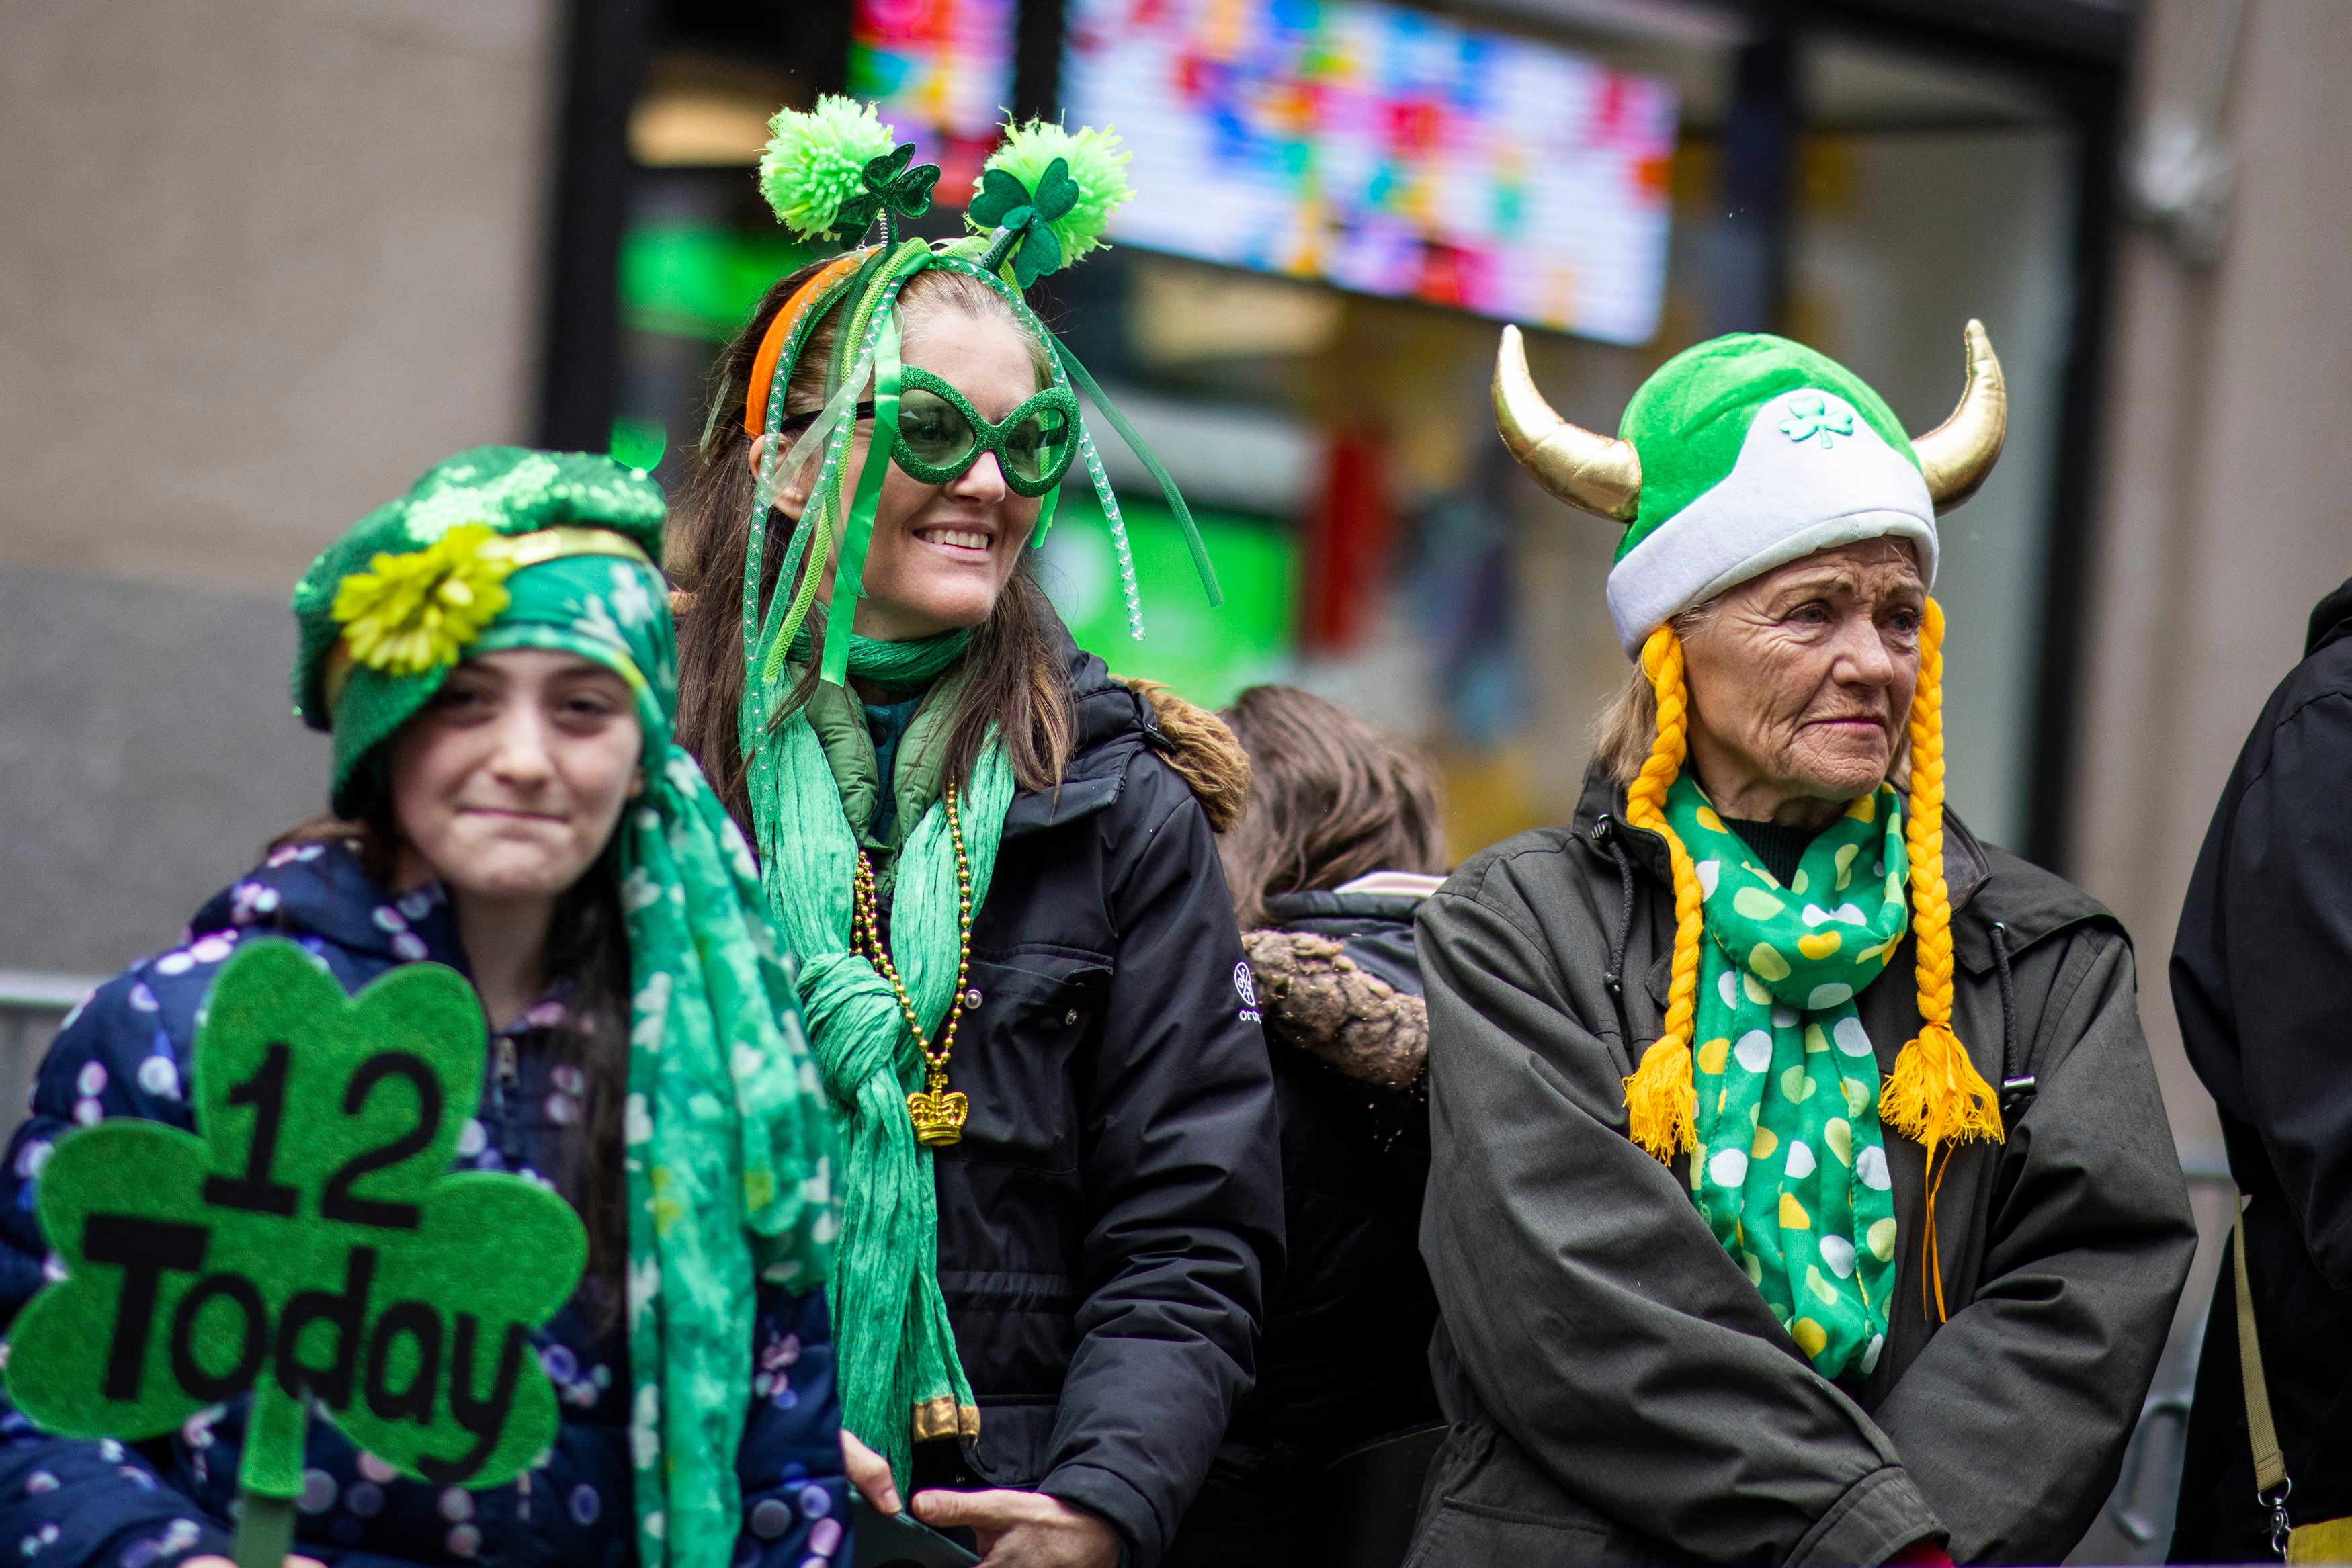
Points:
(32, 1006)
(2136, 1526)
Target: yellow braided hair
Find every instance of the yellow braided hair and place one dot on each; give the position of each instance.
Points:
(1935, 1095)
(1660, 1105)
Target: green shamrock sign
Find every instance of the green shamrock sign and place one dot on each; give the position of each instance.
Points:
(312, 1246)
(890, 185)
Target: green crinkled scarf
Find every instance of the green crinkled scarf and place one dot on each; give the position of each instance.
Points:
(895, 1349)
(1791, 1170)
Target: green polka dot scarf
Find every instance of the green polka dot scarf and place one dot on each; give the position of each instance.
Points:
(1791, 1170)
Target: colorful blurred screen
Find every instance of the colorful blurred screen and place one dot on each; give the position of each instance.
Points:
(1386, 151)
(942, 72)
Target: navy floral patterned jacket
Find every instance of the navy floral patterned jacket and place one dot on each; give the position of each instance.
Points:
(124, 1053)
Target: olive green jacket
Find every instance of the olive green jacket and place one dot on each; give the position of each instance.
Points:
(1618, 1391)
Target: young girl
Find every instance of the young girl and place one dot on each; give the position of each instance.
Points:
(494, 657)
(1021, 973)
(1338, 846)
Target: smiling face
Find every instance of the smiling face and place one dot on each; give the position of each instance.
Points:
(940, 554)
(509, 783)
(1800, 683)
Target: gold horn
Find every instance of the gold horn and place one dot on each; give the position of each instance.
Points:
(1597, 473)
(1956, 457)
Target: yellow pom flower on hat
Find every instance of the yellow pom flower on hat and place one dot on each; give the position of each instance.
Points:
(416, 611)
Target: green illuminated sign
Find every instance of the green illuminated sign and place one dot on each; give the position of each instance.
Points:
(690, 281)
(1207, 656)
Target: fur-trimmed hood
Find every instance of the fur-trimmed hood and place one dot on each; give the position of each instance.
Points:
(1339, 981)
(1197, 744)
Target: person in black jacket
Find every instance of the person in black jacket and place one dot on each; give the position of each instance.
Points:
(2262, 980)
(1339, 844)
(1046, 1337)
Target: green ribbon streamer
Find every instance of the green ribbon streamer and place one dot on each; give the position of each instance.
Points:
(887, 272)
(849, 577)
(1150, 460)
(1045, 509)
(893, 1344)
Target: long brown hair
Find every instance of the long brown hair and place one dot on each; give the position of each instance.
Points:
(1330, 798)
(588, 945)
(1016, 682)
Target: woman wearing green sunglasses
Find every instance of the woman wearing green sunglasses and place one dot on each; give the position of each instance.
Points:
(1061, 1209)
(963, 491)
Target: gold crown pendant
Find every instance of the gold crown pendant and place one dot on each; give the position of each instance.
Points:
(939, 1113)
(936, 1111)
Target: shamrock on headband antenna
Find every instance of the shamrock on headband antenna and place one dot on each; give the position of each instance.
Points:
(891, 186)
(829, 173)
(1046, 196)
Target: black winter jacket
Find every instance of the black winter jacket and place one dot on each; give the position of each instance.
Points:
(1347, 1329)
(2262, 980)
(1107, 1223)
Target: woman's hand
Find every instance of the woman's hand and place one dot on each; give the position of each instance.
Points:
(1023, 1528)
(869, 1472)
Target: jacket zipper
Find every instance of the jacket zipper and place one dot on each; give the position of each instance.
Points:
(2018, 1087)
(509, 1077)
(1615, 974)
(1612, 843)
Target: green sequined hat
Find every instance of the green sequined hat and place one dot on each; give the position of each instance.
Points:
(387, 610)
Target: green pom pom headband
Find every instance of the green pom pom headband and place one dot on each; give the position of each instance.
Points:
(1041, 203)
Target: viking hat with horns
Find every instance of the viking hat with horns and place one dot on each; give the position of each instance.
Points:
(1745, 453)
(1738, 456)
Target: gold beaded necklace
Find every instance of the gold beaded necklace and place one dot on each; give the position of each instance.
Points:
(938, 1114)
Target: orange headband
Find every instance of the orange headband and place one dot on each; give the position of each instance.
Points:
(764, 368)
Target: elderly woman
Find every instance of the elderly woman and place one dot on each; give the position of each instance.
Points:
(1711, 1290)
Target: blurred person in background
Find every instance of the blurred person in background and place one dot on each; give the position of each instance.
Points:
(998, 866)
(2260, 968)
(498, 774)
(1340, 841)
(1712, 1292)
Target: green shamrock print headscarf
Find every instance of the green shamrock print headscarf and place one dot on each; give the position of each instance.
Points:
(1791, 1170)
(728, 1143)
